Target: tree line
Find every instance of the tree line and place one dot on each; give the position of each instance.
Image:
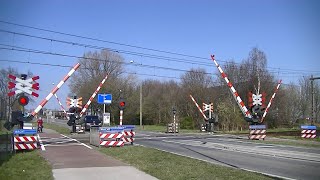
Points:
(291, 107)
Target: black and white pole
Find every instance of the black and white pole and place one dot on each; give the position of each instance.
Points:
(121, 116)
(174, 119)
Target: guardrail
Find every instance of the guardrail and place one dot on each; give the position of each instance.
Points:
(112, 136)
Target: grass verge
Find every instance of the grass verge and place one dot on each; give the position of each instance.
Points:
(25, 165)
(59, 129)
(163, 165)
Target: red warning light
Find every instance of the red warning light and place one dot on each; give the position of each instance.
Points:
(23, 100)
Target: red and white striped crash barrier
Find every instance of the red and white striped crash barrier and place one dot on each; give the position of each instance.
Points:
(29, 146)
(308, 132)
(257, 136)
(111, 139)
(128, 136)
(111, 143)
(257, 132)
(25, 142)
(18, 139)
(111, 136)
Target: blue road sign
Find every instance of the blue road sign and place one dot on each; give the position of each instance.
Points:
(111, 129)
(24, 131)
(257, 127)
(308, 127)
(128, 126)
(104, 98)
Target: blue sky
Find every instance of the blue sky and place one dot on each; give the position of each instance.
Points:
(288, 31)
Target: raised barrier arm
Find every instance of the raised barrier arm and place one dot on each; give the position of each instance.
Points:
(93, 95)
(236, 96)
(195, 102)
(54, 90)
(60, 104)
(271, 99)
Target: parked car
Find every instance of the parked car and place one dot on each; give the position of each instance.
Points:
(90, 121)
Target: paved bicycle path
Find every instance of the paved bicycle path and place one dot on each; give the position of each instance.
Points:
(71, 159)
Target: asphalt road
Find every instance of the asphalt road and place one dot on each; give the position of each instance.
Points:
(285, 162)
(281, 161)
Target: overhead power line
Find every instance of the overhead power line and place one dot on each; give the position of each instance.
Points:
(100, 40)
(28, 50)
(112, 49)
(22, 49)
(70, 66)
(128, 45)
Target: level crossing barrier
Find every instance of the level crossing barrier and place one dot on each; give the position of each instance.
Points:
(171, 127)
(128, 133)
(257, 132)
(308, 132)
(111, 136)
(25, 139)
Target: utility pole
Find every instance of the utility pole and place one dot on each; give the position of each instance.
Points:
(313, 111)
(141, 105)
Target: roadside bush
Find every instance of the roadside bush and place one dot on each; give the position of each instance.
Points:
(187, 123)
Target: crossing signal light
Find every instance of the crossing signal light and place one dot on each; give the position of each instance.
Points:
(122, 104)
(23, 100)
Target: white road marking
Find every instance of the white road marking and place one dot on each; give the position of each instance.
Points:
(298, 156)
(77, 141)
(41, 144)
(272, 175)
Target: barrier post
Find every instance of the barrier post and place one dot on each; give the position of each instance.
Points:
(128, 134)
(25, 139)
(111, 136)
(257, 132)
(308, 132)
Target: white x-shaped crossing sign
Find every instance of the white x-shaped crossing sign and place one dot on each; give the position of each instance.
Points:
(257, 99)
(21, 85)
(207, 107)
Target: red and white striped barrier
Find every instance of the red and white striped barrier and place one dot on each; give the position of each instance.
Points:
(233, 90)
(112, 143)
(54, 90)
(111, 139)
(17, 139)
(60, 104)
(257, 132)
(272, 97)
(25, 142)
(93, 95)
(29, 146)
(200, 110)
(128, 136)
(309, 132)
(257, 136)
(111, 136)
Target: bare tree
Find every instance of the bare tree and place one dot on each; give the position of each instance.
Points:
(94, 67)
